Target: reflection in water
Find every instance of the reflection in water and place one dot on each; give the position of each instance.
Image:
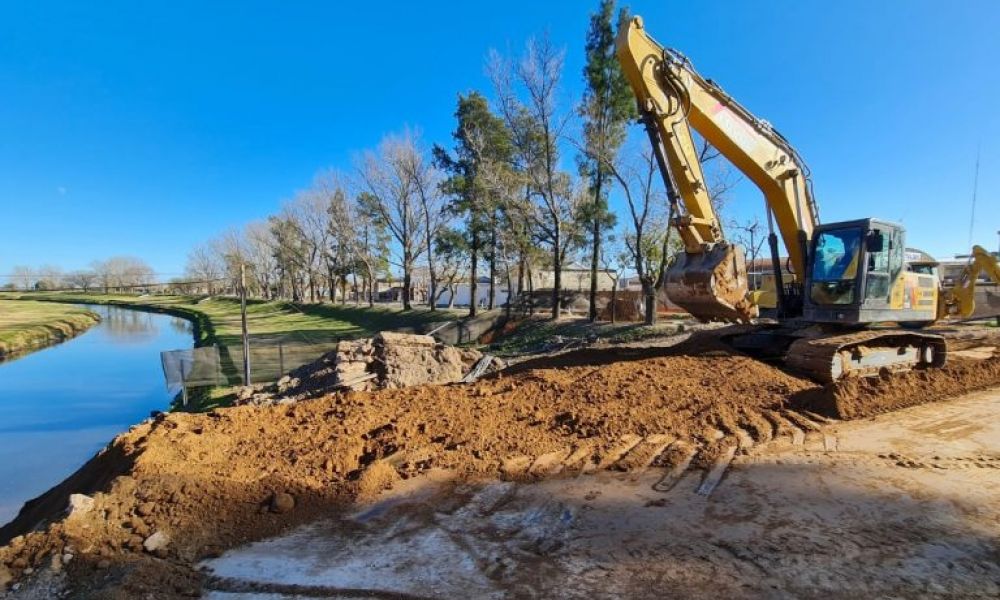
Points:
(60, 405)
(129, 326)
(181, 326)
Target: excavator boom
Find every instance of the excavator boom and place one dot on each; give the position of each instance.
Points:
(710, 278)
(959, 301)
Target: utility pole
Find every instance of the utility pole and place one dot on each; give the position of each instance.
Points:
(243, 319)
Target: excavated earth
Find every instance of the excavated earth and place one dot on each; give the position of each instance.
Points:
(182, 487)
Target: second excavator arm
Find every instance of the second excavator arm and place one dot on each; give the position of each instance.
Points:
(709, 279)
(959, 300)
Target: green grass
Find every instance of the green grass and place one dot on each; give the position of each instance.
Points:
(27, 326)
(219, 318)
(303, 331)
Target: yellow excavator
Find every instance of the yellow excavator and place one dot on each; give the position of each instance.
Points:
(850, 279)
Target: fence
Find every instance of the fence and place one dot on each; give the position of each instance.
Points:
(222, 365)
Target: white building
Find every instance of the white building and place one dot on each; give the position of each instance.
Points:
(463, 294)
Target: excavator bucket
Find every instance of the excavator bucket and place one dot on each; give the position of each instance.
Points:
(712, 285)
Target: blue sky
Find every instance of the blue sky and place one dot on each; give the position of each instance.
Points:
(142, 128)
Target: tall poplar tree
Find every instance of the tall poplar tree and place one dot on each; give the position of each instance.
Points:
(481, 139)
(608, 105)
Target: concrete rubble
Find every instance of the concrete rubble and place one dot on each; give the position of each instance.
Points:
(387, 361)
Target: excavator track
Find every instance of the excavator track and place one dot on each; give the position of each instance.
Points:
(865, 353)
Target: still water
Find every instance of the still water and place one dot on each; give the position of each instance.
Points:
(60, 405)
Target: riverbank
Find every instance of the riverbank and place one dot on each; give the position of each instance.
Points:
(26, 326)
(179, 488)
(283, 335)
(217, 319)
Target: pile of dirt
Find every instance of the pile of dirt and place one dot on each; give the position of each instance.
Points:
(868, 396)
(201, 483)
(182, 487)
(387, 361)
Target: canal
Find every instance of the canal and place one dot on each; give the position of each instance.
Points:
(60, 405)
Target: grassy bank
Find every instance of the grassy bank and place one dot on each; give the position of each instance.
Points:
(28, 325)
(283, 335)
(218, 319)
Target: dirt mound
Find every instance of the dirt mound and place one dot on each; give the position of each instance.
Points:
(864, 397)
(186, 486)
(387, 361)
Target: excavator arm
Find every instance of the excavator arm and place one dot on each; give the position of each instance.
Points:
(959, 301)
(710, 279)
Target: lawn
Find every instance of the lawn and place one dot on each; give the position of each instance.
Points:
(283, 335)
(26, 326)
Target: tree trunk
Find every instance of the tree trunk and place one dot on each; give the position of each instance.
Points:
(531, 292)
(371, 288)
(493, 261)
(596, 244)
(474, 270)
(614, 307)
(407, 283)
(557, 279)
(649, 296)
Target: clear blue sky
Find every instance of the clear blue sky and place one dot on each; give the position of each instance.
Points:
(143, 128)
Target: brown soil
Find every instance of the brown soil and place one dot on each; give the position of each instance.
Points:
(864, 397)
(208, 481)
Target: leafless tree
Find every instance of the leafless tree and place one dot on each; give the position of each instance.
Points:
(391, 196)
(203, 264)
(123, 274)
(425, 180)
(82, 279)
(23, 277)
(537, 126)
(638, 180)
(260, 252)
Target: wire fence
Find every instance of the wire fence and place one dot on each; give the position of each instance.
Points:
(223, 365)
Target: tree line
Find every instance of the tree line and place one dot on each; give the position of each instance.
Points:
(496, 203)
(118, 273)
(523, 186)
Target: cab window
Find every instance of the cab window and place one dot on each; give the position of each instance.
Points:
(835, 266)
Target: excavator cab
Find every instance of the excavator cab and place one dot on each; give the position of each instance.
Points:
(857, 275)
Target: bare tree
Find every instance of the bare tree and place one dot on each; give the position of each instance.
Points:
(23, 277)
(646, 202)
(537, 125)
(203, 264)
(260, 255)
(425, 180)
(82, 279)
(393, 199)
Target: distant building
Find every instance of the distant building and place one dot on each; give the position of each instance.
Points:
(463, 294)
(575, 277)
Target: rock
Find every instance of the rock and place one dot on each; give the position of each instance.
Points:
(145, 509)
(79, 504)
(385, 338)
(5, 577)
(156, 541)
(282, 502)
(57, 563)
(104, 564)
(66, 558)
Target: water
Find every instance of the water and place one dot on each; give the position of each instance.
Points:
(60, 405)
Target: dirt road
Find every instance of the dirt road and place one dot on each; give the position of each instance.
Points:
(903, 505)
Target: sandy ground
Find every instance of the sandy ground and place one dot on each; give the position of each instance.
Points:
(905, 505)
